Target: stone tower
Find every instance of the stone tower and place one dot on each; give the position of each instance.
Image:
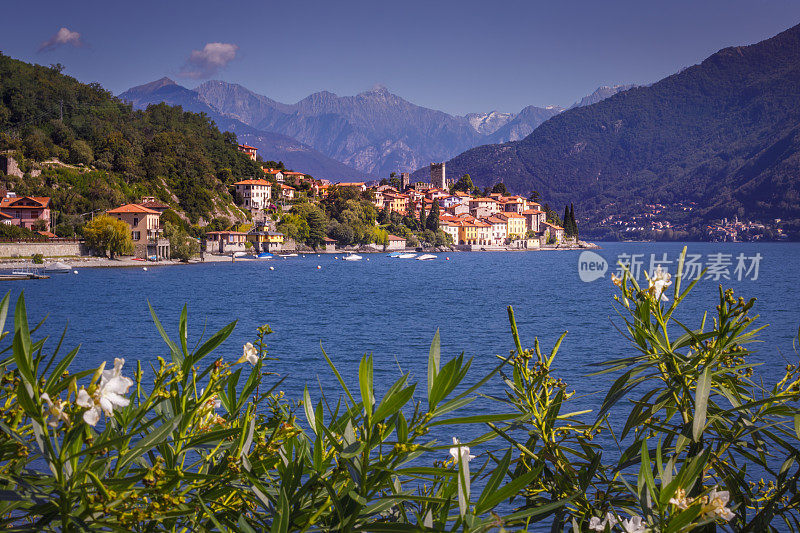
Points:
(438, 178)
(405, 180)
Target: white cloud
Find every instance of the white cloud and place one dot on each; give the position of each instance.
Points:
(62, 37)
(211, 59)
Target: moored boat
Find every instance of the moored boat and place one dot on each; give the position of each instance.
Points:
(352, 257)
(426, 257)
(407, 256)
(57, 268)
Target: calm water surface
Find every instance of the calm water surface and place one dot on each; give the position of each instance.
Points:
(391, 308)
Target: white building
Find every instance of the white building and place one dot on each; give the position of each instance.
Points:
(254, 194)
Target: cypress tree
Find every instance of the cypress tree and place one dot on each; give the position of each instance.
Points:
(565, 220)
(432, 223)
(422, 218)
(572, 221)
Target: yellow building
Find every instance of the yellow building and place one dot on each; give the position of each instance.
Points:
(266, 241)
(467, 233)
(516, 223)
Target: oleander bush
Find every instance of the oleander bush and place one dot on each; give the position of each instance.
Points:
(206, 443)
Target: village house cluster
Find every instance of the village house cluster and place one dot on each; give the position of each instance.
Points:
(492, 221)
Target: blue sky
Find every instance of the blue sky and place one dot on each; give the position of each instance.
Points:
(457, 56)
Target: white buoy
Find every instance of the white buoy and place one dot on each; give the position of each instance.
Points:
(144, 268)
(335, 257)
(74, 271)
(318, 267)
(367, 258)
(447, 258)
(317, 255)
(272, 268)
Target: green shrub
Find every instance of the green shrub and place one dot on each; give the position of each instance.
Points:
(211, 445)
(38, 259)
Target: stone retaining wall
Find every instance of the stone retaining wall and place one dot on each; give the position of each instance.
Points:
(47, 249)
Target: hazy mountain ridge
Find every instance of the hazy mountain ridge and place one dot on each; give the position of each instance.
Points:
(375, 132)
(272, 146)
(724, 133)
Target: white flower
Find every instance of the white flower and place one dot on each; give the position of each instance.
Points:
(108, 394)
(680, 500)
(595, 524)
(54, 411)
(658, 284)
(460, 452)
(717, 504)
(633, 525)
(249, 354)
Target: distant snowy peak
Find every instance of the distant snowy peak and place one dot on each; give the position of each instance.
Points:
(601, 93)
(488, 123)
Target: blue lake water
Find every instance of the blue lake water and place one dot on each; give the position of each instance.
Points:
(392, 307)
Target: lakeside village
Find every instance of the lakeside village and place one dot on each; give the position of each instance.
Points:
(288, 211)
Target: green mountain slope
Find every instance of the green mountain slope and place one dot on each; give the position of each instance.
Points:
(724, 134)
(117, 154)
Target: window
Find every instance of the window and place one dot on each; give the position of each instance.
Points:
(136, 235)
(135, 221)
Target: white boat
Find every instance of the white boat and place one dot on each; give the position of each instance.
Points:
(57, 268)
(406, 256)
(352, 257)
(240, 254)
(289, 255)
(426, 257)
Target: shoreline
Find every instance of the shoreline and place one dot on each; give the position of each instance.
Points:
(127, 262)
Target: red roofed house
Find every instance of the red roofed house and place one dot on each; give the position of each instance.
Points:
(551, 230)
(146, 231)
(254, 194)
(26, 210)
(249, 151)
(534, 219)
(361, 186)
(287, 192)
(393, 242)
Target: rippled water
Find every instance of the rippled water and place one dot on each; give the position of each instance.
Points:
(392, 307)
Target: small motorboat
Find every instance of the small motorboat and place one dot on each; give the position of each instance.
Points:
(239, 254)
(289, 255)
(352, 257)
(264, 255)
(426, 257)
(57, 268)
(407, 256)
(395, 255)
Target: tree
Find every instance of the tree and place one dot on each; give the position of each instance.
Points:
(422, 218)
(500, 188)
(107, 234)
(572, 221)
(317, 228)
(181, 245)
(385, 217)
(464, 184)
(432, 222)
(535, 197)
(567, 226)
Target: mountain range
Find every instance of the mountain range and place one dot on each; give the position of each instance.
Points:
(724, 134)
(342, 137)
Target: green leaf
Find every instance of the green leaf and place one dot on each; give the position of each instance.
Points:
(390, 405)
(177, 357)
(433, 362)
(155, 437)
(365, 384)
(701, 404)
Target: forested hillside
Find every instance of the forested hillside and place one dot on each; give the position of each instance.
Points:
(724, 134)
(114, 154)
